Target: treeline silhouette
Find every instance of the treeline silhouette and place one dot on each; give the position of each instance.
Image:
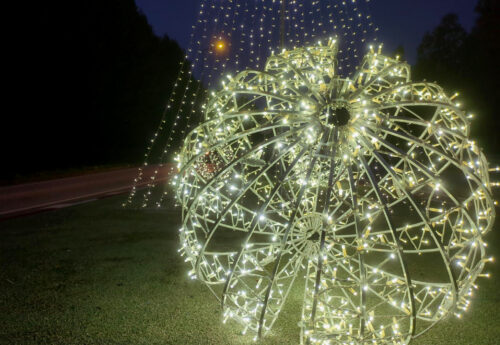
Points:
(468, 62)
(95, 80)
(95, 85)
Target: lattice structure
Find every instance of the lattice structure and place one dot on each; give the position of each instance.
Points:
(369, 190)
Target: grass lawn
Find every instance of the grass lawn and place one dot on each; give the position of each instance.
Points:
(99, 274)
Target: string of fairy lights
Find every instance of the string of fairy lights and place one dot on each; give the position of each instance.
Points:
(358, 183)
(184, 81)
(229, 36)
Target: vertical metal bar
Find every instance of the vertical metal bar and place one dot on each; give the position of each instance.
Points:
(282, 23)
(325, 226)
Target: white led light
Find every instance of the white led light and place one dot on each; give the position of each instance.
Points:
(341, 184)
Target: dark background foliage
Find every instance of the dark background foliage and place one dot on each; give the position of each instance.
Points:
(468, 63)
(95, 80)
(92, 80)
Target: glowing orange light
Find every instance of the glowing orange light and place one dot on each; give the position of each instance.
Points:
(220, 46)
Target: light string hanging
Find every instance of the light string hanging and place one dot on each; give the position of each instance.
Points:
(183, 77)
(207, 18)
(162, 124)
(215, 14)
(228, 15)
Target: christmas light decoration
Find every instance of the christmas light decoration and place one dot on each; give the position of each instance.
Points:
(249, 31)
(367, 189)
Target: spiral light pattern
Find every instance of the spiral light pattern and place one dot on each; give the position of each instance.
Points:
(367, 190)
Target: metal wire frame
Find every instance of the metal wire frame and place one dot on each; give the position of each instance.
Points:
(276, 186)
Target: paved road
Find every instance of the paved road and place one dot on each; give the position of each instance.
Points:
(33, 197)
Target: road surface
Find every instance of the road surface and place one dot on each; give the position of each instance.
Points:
(33, 197)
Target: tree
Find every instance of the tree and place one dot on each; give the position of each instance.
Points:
(482, 72)
(96, 80)
(440, 55)
(467, 63)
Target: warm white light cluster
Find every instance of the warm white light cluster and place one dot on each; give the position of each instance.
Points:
(369, 190)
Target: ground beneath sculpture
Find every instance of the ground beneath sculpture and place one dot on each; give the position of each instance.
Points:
(100, 274)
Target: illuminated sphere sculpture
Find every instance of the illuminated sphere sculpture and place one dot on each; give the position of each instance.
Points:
(367, 194)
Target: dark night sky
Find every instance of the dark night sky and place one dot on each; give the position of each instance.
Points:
(400, 21)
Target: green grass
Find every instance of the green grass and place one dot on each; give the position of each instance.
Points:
(99, 274)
